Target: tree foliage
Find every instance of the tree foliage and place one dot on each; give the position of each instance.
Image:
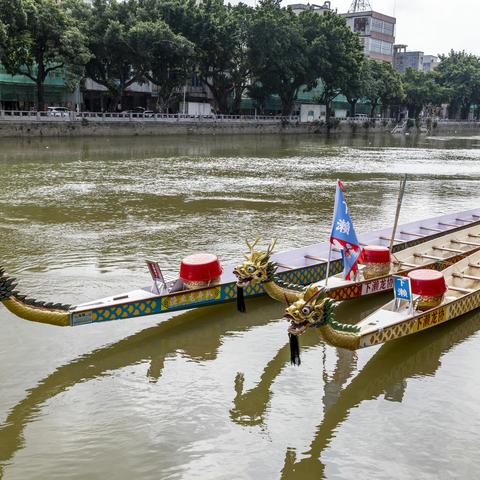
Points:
(267, 50)
(460, 73)
(421, 90)
(334, 53)
(42, 37)
(383, 85)
(278, 53)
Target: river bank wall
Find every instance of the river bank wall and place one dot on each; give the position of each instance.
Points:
(92, 128)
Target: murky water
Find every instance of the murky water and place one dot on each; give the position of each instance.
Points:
(209, 393)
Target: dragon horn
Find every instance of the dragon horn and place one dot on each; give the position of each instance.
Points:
(315, 295)
(271, 246)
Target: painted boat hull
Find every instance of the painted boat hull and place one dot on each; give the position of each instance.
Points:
(388, 324)
(298, 267)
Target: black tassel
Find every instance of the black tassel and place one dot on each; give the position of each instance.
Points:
(294, 350)
(240, 300)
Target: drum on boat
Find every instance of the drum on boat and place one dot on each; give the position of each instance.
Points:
(376, 260)
(200, 270)
(431, 287)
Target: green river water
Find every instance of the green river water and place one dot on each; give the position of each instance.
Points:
(210, 393)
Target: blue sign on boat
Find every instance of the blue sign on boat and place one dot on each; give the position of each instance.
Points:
(402, 288)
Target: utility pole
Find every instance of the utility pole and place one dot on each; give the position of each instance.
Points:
(360, 6)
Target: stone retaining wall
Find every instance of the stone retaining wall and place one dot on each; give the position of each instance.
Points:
(100, 129)
(88, 128)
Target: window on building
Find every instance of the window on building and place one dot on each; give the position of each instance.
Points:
(360, 25)
(382, 27)
(378, 46)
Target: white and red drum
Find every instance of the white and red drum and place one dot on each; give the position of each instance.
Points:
(431, 287)
(200, 270)
(376, 260)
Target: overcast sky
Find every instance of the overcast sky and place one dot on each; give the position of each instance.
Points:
(432, 26)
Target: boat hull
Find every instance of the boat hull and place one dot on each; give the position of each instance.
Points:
(429, 319)
(297, 267)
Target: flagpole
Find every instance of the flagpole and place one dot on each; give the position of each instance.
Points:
(403, 182)
(330, 240)
(328, 264)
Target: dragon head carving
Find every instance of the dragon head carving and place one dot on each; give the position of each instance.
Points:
(257, 267)
(312, 309)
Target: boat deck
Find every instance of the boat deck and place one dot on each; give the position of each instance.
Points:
(408, 234)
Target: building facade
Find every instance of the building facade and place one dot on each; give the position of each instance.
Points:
(17, 92)
(298, 8)
(377, 33)
(430, 63)
(403, 60)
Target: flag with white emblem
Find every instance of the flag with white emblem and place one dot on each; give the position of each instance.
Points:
(343, 234)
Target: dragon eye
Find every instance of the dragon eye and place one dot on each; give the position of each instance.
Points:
(250, 269)
(305, 310)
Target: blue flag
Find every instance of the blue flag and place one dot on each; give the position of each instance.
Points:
(344, 234)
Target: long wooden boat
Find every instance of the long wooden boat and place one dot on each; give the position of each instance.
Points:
(436, 254)
(301, 266)
(391, 321)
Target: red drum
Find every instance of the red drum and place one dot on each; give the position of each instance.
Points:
(376, 260)
(200, 270)
(431, 287)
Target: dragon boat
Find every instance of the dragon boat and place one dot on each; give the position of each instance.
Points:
(436, 254)
(438, 298)
(301, 266)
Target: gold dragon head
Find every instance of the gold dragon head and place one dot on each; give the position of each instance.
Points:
(257, 267)
(313, 308)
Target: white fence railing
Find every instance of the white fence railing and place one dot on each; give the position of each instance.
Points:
(66, 116)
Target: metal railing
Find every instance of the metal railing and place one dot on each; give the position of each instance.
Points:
(67, 116)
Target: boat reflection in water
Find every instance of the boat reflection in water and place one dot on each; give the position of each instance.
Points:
(250, 407)
(385, 373)
(198, 334)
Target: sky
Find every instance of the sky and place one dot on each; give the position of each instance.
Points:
(431, 26)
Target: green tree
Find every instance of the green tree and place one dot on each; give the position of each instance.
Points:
(460, 72)
(114, 61)
(221, 34)
(384, 85)
(164, 57)
(40, 37)
(278, 53)
(355, 89)
(335, 56)
(421, 90)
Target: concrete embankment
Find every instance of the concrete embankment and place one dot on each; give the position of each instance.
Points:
(100, 129)
(456, 128)
(95, 128)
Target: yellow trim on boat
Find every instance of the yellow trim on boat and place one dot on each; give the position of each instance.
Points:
(36, 314)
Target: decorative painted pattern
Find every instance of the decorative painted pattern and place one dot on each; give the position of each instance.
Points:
(429, 319)
(463, 305)
(126, 310)
(345, 293)
(223, 293)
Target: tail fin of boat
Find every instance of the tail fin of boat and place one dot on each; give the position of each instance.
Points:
(30, 308)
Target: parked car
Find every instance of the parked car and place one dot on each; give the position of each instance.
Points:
(361, 116)
(140, 112)
(58, 112)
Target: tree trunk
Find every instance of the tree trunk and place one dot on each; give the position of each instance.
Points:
(353, 106)
(40, 95)
(39, 81)
(328, 110)
(372, 110)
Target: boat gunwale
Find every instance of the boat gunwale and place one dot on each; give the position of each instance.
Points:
(397, 247)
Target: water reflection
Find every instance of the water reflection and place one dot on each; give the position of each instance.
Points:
(386, 374)
(197, 334)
